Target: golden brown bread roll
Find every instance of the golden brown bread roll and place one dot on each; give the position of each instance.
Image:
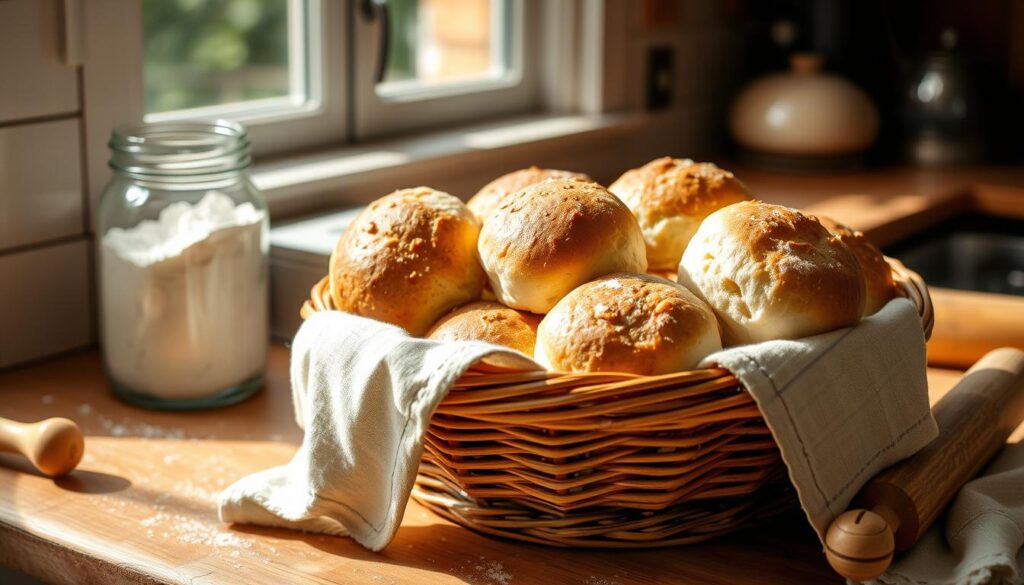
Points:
(879, 287)
(408, 258)
(492, 194)
(486, 321)
(547, 239)
(670, 197)
(633, 323)
(771, 272)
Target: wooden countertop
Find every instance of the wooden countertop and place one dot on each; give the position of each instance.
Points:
(140, 508)
(890, 203)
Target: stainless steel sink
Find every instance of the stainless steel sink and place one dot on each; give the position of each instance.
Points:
(976, 252)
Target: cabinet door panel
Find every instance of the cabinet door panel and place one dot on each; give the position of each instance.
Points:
(45, 308)
(40, 183)
(33, 81)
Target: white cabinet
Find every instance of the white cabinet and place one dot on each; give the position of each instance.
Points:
(40, 182)
(45, 263)
(45, 306)
(33, 80)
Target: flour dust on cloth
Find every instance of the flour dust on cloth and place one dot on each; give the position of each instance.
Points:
(364, 392)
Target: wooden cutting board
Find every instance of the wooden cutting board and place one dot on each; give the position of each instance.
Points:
(140, 508)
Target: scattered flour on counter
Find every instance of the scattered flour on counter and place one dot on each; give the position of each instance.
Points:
(228, 539)
(144, 430)
(47, 399)
(187, 529)
(169, 459)
(85, 409)
(483, 572)
(191, 490)
(495, 572)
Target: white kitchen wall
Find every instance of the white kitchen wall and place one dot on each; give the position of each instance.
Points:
(45, 265)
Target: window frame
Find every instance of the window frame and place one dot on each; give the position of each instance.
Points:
(384, 111)
(344, 104)
(278, 124)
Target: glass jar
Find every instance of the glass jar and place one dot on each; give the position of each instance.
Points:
(182, 255)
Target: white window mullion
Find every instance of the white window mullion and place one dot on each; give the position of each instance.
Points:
(398, 106)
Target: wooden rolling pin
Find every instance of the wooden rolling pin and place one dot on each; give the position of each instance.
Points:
(899, 504)
(969, 324)
(54, 446)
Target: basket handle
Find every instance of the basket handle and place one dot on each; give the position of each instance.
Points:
(899, 504)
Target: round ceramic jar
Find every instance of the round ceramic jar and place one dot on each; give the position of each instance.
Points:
(804, 112)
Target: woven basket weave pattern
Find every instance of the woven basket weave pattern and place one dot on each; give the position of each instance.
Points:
(604, 459)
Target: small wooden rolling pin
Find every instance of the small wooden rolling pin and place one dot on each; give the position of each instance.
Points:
(54, 446)
(899, 504)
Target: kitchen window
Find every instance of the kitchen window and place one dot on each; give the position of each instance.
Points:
(282, 67)
(343, 96)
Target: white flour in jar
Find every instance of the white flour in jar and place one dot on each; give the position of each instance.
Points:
(184, 307)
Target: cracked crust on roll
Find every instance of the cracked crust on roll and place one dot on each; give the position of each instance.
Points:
(633, 323)
(771, 272)
(488, 321)
(547, 239)
(670, 197)
(879, 287)
(493, 193)
(407, 259)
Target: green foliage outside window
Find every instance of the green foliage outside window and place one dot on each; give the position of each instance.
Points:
(207, 52)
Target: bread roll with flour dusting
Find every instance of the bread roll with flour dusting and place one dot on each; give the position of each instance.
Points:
(879, 287)
(407, 259)
(670, 197)
(492, 194)
(624, 322)
(488, 321)
(547, 239)
(771, 272)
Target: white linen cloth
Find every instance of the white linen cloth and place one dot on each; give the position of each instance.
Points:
(874, 374)
(364, 392)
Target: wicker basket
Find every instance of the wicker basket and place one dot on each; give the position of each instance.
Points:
(604, 459)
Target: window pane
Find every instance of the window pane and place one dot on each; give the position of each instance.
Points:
(201, 53)
(438, 41)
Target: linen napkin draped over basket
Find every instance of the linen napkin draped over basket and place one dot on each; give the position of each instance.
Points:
(589, 459)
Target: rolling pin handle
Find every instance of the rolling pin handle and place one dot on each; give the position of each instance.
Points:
(54, 446)
(860, 543)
